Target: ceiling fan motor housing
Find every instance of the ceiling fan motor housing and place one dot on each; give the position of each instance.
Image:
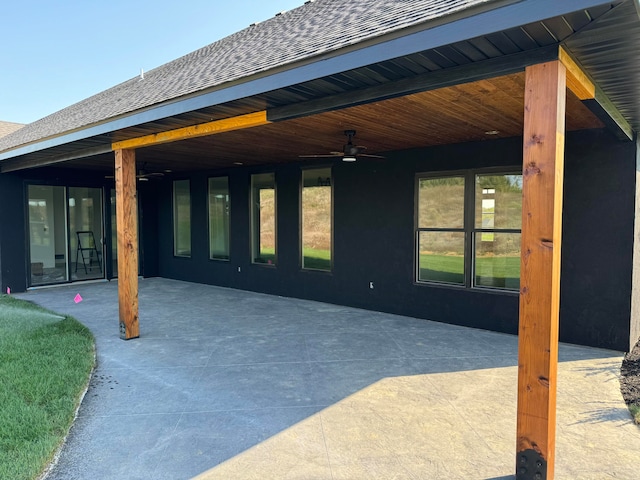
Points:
(351, 149)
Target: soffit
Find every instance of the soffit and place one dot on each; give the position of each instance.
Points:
(608, 51)
(456, 114)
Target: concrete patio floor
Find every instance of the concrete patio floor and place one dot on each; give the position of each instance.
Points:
(227, 384)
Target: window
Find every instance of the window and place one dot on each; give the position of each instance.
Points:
(181, 218)
(316, 219)
(498, 219)
(263, 218)
(219, 218)
(441, 235)
(468, 230)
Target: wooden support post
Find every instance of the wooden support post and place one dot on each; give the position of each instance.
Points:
(543, 166)
(127, 228)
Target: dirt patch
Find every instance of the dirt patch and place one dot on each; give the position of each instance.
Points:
(630, 376)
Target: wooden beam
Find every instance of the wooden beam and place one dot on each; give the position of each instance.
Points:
(127, 229)
(194, 131)
(577, 81)
(543, 167)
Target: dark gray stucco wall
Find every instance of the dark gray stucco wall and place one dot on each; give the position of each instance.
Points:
(374, 239)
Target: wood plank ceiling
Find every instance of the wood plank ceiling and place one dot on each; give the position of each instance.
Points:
(457, 114)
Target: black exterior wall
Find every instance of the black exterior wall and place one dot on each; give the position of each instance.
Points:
(597, 243)
(13, 261)
(14, 254)
(374, 239)
(148, 229)
(374, 236)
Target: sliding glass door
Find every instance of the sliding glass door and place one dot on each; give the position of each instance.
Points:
(65, 234)
(114, 233)
(85, 233)
(47, 235)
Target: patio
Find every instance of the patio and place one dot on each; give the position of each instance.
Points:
(229, 384)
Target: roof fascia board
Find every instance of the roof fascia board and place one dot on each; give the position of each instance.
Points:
(602, 107)
(594, 98)
(502, 18)
(15, 164)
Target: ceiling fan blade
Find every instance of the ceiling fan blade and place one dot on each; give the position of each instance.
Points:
(370, 155)
(329, 155)
(150, 174)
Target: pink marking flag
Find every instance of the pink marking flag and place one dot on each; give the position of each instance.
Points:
(8, 291)
(77, 298)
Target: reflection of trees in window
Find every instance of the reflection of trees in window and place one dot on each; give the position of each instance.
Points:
(316, 219)
(263, 218)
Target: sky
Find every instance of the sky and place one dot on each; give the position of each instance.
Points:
(54, 53)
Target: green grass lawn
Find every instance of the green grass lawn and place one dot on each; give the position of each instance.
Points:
(45, 363)
(495, 271)
(317, 259)
(314, 259)
(266, 255)
(441, 268)
(635, 413)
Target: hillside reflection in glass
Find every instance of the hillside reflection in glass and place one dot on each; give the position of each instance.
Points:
(263, 218)
(182, 218)
(316, 219)
(219, 206)
(469, 238)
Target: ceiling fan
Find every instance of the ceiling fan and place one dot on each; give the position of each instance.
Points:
(142, 175)
(350, 152)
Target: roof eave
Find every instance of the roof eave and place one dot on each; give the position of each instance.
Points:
(474, 24)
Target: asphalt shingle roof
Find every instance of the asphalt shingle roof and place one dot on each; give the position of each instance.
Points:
(311, 30)
(9, 127)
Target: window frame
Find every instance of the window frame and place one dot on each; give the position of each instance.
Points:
(228, 225)
(474, 231)
(175, 219)
(469, 227)
(254, 243)
(301, 220)
(418, 229)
